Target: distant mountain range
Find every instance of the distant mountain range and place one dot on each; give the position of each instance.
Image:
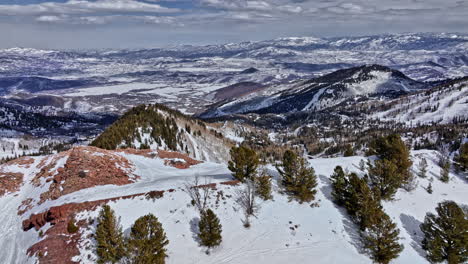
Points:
(323, 92)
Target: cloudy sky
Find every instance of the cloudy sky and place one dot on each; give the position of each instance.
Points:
(151, 23)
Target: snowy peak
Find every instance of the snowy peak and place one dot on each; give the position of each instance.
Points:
(326, 91)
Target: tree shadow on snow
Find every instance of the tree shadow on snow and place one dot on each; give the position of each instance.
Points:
(194, 228)
(411, 225)
(349, 226)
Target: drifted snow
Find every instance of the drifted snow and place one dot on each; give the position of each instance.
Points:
(323, 234)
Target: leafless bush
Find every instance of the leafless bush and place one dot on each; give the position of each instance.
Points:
(246, 198)
(199, 193)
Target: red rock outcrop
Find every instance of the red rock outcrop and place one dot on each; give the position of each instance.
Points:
(12, 181)
(85, 167)
(171, 158)
(174, 159)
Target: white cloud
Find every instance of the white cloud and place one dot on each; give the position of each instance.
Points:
(83, 7)
(207, 20)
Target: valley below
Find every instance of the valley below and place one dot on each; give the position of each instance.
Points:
(350, 136)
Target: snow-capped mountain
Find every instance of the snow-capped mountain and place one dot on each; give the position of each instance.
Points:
(323, 92)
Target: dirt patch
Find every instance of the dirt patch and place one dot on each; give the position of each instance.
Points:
(85, 167)
(177, 160)
(12, 181)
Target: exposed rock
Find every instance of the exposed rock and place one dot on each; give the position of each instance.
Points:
(12, 181)
(85, 167)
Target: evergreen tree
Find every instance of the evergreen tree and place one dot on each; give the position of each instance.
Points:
(263, 185)
(147, 241)
(422, 166)
(209, 229)
(369, 206)
(244, 163)
(381, 239)
(109, 237)
(446, 235)
(339, 184)
(349, 151)
(462, 157)
(297, 179)
(385, 177)
(361, 202)
(445, 170)
(429, 188)
(393, 149)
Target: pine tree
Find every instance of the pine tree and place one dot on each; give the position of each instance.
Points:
(446, 235)
(369, 206)
(362, 203)
(445, 170)
(393, 149)
(462, 157)
(297, 179)
(339, 184)
(209, 229)
(109, 237)
(384, 176)
(263, 185)
(429, 188)
(349, 151)
(381, 239)
(422, 166)
(244, 163)
(147, 241)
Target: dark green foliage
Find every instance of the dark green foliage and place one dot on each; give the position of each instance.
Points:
(244, 163)
(297, 179)
(445, 165)
(340, 184)
(109, 237)
(361, 202)
(263, 187)
(378, 233)
(393, 149)
(147, 241)
(71, 227)
(209, 229)
(462, 157)
(384, 176)
(446, 235)
(422, 166)
(429, 188)
(147, 117)
(381, 239)
(349, 151)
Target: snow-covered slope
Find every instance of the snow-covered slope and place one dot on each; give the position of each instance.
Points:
(156, 126)
(443, 104)
(282, 231)
(324, 92)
